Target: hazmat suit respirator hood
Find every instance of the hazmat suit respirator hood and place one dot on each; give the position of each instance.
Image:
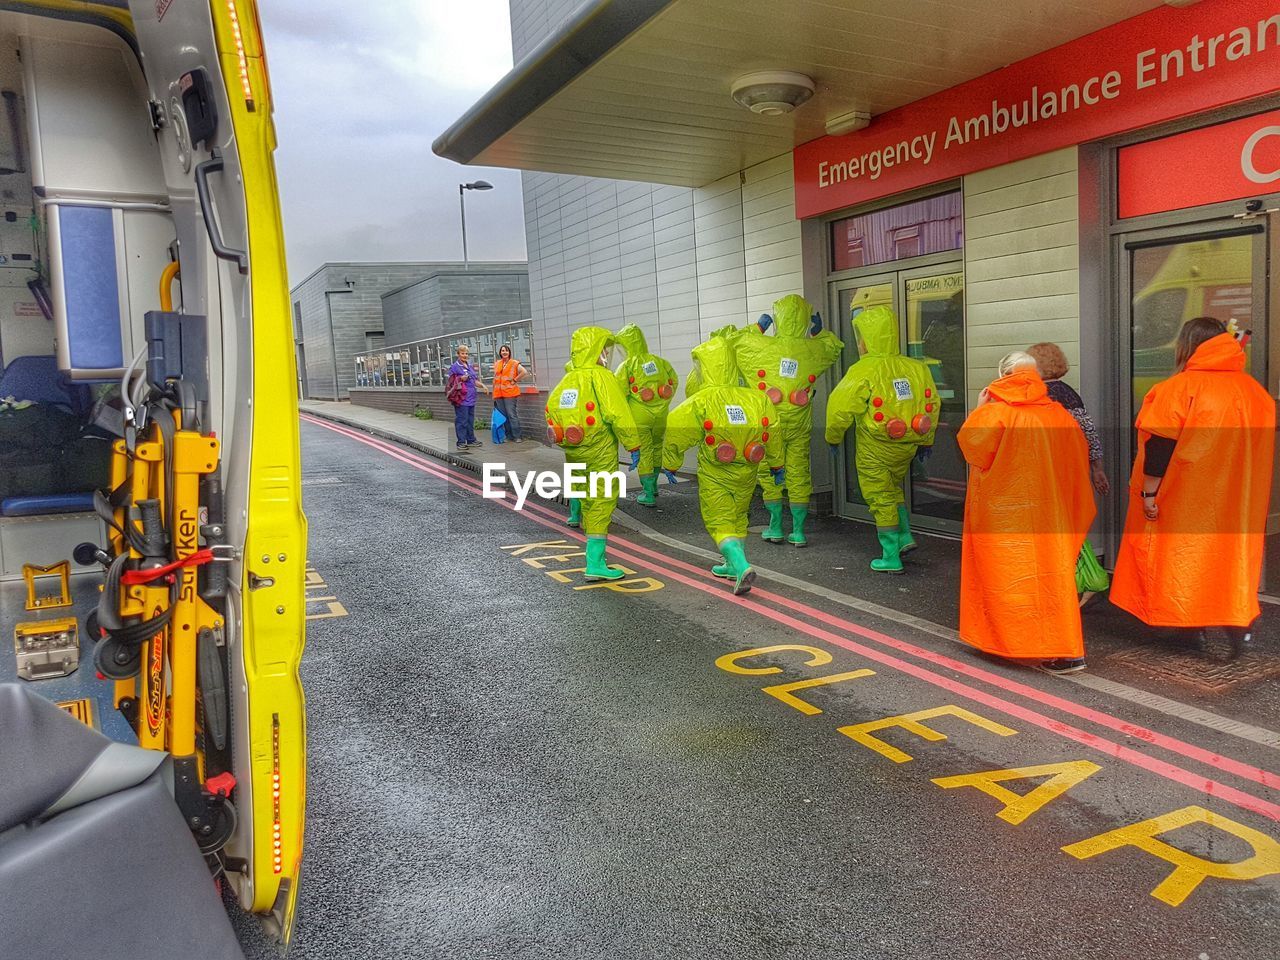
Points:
(877, 332)
(589, 347)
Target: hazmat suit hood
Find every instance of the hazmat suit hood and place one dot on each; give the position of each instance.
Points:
(586, 346)
(792, 316)
(716, 362)
(631, 337)
(878, 330)
(1020, 387)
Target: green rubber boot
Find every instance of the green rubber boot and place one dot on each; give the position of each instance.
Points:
(575, 512)
(649, 494)
(799, 513)
(906, 542)
(891, 562)
(597, 569)
(736, 560)
(773, 532)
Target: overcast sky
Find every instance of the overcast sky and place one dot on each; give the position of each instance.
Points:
(361, 90)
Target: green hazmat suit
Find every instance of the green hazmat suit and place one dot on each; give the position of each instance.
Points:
(785, 368)
(730, 426)
(892, 403)
(648, 382)
(587, 417)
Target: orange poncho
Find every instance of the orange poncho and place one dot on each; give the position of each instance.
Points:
(1028, 508)
(1199, 563)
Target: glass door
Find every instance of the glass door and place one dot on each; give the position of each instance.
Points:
(929, 304)
(1170, 276)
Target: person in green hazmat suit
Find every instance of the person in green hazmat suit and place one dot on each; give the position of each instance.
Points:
(785, 368)
(732, 428)
(693, 382)
(648, 382)
(587, 417)
(892, 403)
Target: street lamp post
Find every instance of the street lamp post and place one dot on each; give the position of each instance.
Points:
(462, 205)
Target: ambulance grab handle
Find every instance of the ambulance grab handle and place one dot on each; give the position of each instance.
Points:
(213, 165)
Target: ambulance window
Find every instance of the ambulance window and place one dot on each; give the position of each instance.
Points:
(1157, 317)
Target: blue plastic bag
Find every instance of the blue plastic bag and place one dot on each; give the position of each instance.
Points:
(497, 423)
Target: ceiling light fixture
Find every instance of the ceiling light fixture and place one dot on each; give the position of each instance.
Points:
(848, 122)
(772, 93)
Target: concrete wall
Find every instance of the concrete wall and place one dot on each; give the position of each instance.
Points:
(455, 301)
(356, 315)
(1022, 261)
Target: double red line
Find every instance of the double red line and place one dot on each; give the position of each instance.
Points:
(699, 579)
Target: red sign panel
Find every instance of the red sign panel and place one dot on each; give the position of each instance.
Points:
(1164, 64)
(1227, 161)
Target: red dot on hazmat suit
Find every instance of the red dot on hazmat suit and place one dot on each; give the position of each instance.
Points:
(707, 424)
(896, 428)
(590, 405)
(591, 421)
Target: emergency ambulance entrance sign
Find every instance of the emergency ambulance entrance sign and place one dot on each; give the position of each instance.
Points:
(1167, 63)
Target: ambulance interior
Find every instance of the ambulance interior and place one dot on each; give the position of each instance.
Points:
(88, 258)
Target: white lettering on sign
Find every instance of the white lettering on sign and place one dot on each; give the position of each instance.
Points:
(568, 399)
(788, 367)
(650, 369)
(1151, 68)
(737, 416)
(1246, 156)
(902, 388)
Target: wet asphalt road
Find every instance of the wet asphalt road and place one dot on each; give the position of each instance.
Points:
(503, 766)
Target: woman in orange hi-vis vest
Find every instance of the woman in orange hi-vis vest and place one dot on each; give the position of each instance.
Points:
(507, 373)
(1026, 513)
(1191, 555)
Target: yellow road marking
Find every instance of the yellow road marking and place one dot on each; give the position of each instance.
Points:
(1017, 807)
(783, 690)
(861, 732)
(1189, 870)
(729, 662)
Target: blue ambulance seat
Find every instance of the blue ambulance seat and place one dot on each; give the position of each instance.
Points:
(38, 379)
(45, 504)
(86, 276)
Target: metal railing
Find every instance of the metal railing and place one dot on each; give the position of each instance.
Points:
(425, 363)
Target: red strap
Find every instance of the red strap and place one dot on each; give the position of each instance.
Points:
(133, 578)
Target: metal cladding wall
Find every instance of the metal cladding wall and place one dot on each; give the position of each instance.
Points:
(355, 297)
(455, 301)
(1021, 262)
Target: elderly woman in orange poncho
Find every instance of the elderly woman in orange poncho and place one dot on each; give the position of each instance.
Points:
(1028, 508)
(1191, 555)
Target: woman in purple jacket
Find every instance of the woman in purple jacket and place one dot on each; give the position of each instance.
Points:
(464, 413)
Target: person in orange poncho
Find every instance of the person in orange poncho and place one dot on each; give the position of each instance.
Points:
(1026, 513)
(1191, 555)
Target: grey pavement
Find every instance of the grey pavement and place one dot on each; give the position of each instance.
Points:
(502, 764)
